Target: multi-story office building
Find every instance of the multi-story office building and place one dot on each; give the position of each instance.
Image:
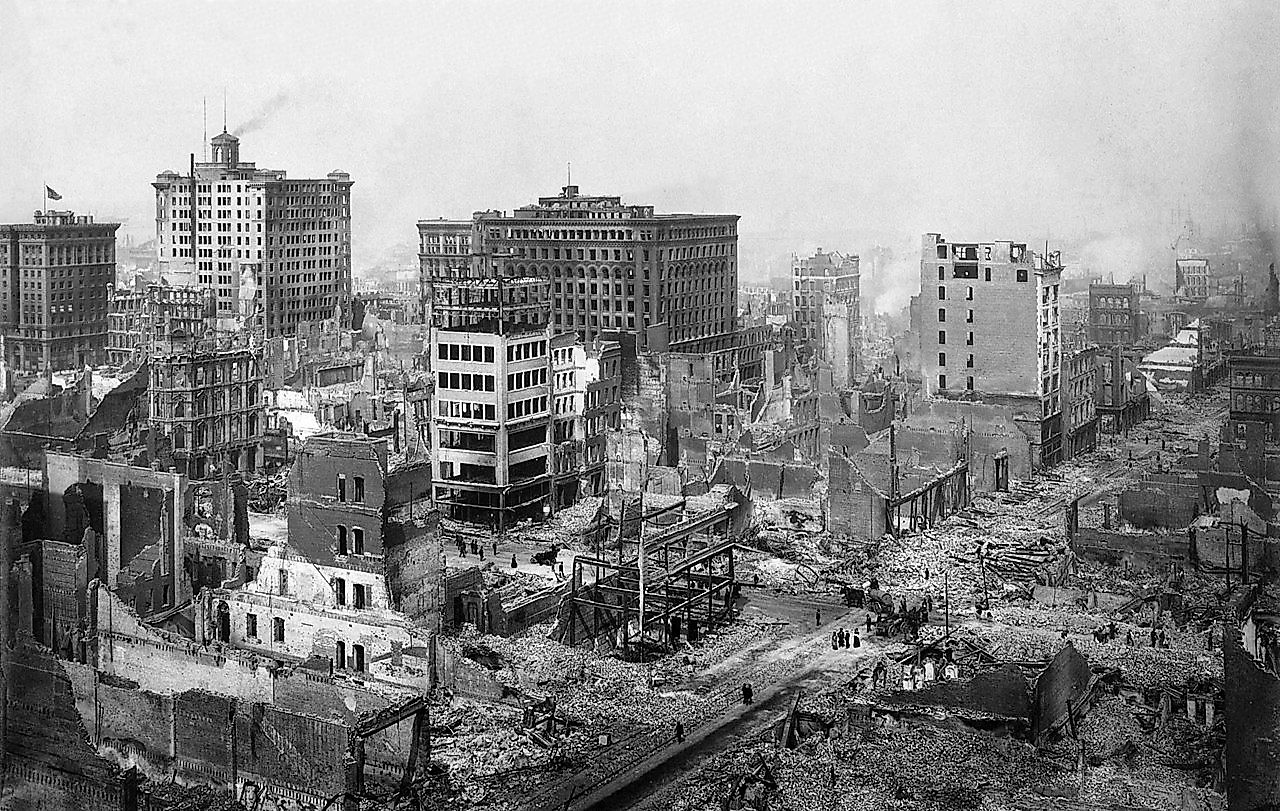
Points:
(490, 351)
(142, 319)
(56, 273)
(587, 402)
(1113, 314)
(443, 246)
(668, 279)
(269, 247)
(1191, 280)
(989, 324)
(125, 340)
(206, 396)
(825, 310)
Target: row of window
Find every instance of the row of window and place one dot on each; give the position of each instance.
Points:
(361, 593)
(527, 379)
(527, 350)
(357, 491)
(942, 315)
(523, 408)
(465, 352)
(454, 409)
(465, 381)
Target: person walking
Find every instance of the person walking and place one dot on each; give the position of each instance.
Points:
(1128, 638)
(817, 617)
(1153, 636)
(513, 562)
(495, 548)
(844, 633)
(679, 732)
(868, 622)
(746, 693)
(857, 642)
(835, 640)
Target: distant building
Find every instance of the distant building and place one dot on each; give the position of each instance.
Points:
(140, 320)
(207, 397)
(825, 310)
(264, 243)
(56, 273)
(667, 279)
(1080, 401)
(443, 246)
(1114, 318)
(1191, 280)
(587, 403)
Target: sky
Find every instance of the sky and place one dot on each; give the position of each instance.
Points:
(840, 124)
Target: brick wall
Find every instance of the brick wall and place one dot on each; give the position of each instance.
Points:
(1253, 716)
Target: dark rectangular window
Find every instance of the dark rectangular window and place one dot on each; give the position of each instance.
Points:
(342, 540)
(942, 358)
(342, 487)
(359, 496)
(1022, 274)
(277, 629)
(988, 274)
(358, 595)
(942, 314)
(942, 381)
(340, 591)
(358, 651)
(340, 654)
(942, 292)
(251, 626)
(357, 540)
(942, 336)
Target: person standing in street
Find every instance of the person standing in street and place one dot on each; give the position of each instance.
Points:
(835, 640)
(679, 732)
(746, 693)
(817, 617)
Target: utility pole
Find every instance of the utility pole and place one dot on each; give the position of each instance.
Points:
(946, 601)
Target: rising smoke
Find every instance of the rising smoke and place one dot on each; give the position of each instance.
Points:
(264, 113)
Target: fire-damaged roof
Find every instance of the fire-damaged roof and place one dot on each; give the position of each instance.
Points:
(999, 693)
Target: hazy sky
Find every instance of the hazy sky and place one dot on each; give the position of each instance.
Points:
(836, 123)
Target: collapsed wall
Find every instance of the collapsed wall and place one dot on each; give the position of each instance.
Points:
(1252, 702)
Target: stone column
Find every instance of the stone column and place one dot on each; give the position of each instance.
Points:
(111, 496)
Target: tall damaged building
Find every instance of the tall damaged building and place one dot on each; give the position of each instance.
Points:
(270, 247)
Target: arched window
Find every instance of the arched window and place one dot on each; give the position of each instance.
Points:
(179, 437)
(180, 409)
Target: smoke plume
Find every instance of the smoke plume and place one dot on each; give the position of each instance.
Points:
(264, 113)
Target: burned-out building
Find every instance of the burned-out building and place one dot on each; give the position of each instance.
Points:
(990, 330)
(1114, 316)
(825, 310)
(205, 395)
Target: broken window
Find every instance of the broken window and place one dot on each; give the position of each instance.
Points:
(283, 577)
(359, 596)
(969, 383)
(277, 629)
(342, 540)
(359, 494)
(358, 655)
(251, 626)
(340, 591)
(340, 654)
(342, 487)
(357, 540)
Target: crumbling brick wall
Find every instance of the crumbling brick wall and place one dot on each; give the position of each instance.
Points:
(1253, 716)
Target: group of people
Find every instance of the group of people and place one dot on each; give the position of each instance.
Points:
(841, 639)
(1159, 637)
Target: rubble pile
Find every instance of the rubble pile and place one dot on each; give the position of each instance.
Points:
(267, 493)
